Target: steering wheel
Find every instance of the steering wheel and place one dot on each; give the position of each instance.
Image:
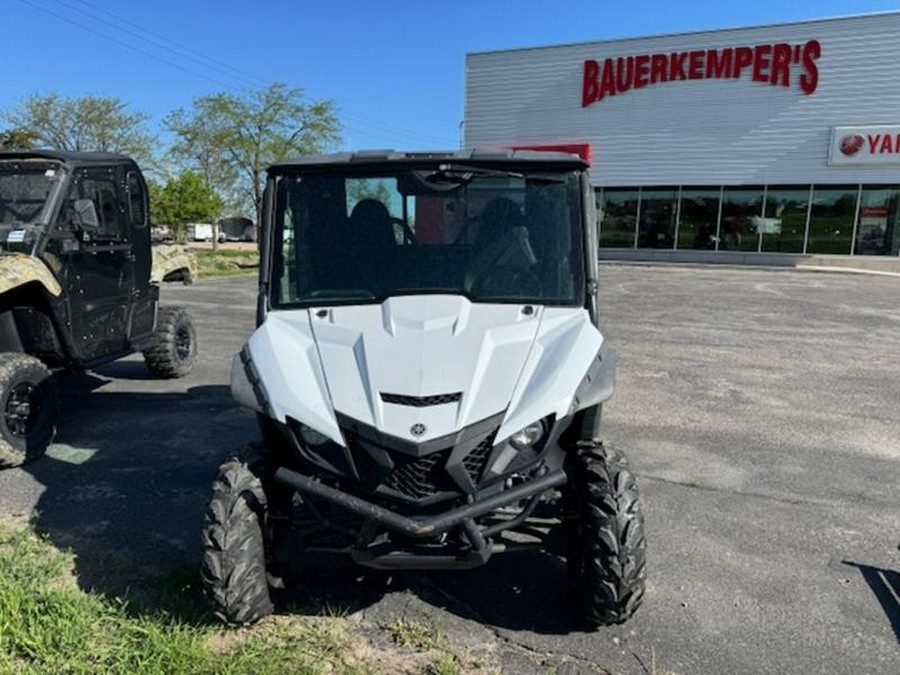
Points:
(508, 282)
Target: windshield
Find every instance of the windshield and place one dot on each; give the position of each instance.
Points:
(492, 236)
(24, 190)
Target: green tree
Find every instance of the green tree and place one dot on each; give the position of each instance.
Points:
(364, 188)
(88, 123)
(18, 139)
(233, 138)
(185, 198)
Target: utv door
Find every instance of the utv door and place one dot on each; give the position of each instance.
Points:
(144, 296)
(96, 260)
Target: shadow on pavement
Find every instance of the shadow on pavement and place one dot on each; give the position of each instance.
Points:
(885, 584)
(127, 479)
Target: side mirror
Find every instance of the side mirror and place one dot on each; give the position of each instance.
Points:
(84, 215)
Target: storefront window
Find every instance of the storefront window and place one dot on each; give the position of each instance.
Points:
(783, 227)
(879, 210)
(618, 217)
(656, 228)
(742, 219)
(697, 228)
(831, 219)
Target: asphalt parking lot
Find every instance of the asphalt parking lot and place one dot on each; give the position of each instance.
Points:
(759, 408)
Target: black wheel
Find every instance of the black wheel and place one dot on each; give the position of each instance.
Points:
(29, 404)
(606, 544)
(175, 351)
(233, 572)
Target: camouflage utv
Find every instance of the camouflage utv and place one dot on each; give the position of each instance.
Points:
(76, 285)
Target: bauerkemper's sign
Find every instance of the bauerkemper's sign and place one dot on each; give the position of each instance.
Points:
(777, 64)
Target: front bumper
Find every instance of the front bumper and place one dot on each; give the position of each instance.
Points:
(474, 548)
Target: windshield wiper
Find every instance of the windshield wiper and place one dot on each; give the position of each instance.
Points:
(449, 171)
(463, 173)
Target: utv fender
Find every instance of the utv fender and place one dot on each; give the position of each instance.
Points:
(28, 323)
(171, 262)
(18, 270)
(567, 370)
(247, 388)
(278, 373)
(599, 383)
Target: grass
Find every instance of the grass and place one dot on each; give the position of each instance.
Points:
(50, 625)
(227, 262)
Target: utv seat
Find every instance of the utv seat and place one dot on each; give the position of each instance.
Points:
(371, 239)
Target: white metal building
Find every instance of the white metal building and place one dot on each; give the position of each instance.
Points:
(779, 139)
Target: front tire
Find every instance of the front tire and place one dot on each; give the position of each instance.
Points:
(607, 547)
(29, 405)
(233, 572)
(175, 351)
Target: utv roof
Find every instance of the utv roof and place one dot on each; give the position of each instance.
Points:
(67, 157)
(492, 156)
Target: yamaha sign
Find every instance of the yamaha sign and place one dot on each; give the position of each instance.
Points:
(865, 146)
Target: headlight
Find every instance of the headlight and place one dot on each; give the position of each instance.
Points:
(527, 437)
(312, 437)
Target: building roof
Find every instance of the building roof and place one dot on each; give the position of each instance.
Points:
(694, 32)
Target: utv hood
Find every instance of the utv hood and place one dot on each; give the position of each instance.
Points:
(421, 367)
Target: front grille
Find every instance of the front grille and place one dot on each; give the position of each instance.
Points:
(476, 460)
(421, 401)
(420, 477)
(423, 473)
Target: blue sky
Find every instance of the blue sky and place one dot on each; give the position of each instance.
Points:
(395, 68)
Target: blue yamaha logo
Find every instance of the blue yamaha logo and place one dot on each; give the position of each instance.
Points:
(417, 429)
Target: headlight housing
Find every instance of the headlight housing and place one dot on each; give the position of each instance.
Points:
(529, 436)
(312, 437)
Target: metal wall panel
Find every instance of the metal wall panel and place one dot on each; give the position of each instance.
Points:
(697, 132)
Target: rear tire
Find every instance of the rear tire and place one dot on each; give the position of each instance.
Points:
(29, 405)
(233, 572)
(175, 351)
(606, 547)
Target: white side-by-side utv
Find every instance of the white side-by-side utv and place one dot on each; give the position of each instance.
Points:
(428, 374)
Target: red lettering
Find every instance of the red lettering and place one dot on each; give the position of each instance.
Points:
(589, 90)
(781, 65)
(873, 142)
(761, 62)
(676, 66)
(695, 65)
(641, 70)
(770, 63)
(809, 80)
(659, 68)
(718, 63)
(886, 145)
(607, 79)
(624, 74)
(743, 57)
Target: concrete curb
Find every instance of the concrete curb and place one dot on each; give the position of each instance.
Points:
(747, 266)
